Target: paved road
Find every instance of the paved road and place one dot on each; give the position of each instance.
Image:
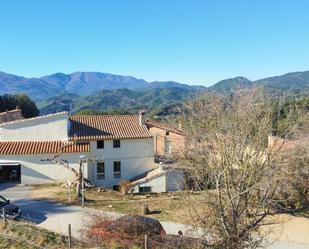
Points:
(56, 217)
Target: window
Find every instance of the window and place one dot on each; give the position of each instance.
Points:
(117, 169)
(168, 147)
(100, 170)
(100, 144)
(144, 189)
(167, 133)
(116, 143)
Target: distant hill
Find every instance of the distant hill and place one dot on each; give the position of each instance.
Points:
(291, 84)
(233, 84)
(124, 99)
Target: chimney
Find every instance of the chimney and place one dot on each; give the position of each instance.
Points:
(142, 117)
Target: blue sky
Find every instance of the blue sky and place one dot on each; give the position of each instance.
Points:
(196, 42)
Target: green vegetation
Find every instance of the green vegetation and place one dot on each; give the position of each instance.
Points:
(289, 113)
(118, 101)
(9, 102)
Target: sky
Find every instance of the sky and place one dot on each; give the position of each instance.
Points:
(189, 41)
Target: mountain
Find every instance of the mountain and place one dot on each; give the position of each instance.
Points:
(291, 84)
(81, 83)
(87, 83)
(230, 85)
(125, 99)
(103, 91)
(35, 88)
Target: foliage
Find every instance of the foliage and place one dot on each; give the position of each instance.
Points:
(118, 101)
(289, 113)
(128, 233)
(9, 102)
(295, 195)
(226, 151)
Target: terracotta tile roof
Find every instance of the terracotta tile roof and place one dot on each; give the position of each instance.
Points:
(107, 127)
(152, 123)
(41, 147)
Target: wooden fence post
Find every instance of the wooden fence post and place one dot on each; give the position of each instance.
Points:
(146, 241)
(70, 236)
(3, 217)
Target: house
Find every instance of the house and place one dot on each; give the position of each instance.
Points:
(168, 140)
(120, 147)
(11, 115)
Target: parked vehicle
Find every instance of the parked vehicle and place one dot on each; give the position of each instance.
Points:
(10, 210)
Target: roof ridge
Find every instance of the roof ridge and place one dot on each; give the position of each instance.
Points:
(33, 118)
(104, 115)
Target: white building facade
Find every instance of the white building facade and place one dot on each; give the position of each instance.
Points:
(115, 148)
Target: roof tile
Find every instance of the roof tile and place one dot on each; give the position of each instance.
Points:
(41, 147)
(107, 127)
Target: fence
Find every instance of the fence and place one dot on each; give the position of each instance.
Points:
(26, 233)
(29, 235)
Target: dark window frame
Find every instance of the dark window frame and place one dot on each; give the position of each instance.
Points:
(100, 175)
(144, 189)
(100, 144)
(117, 174)
(116, 143)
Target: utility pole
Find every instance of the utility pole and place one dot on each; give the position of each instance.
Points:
(83, 185)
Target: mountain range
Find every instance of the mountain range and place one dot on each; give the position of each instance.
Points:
(103, 91)
(81, 83)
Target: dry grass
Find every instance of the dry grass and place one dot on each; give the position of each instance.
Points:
(172, 208)
(162, 206)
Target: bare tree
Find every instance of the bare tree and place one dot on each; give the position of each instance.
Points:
(228, 160)
(59, 160)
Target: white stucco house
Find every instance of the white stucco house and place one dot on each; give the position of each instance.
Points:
(115, 148)
(120, 147)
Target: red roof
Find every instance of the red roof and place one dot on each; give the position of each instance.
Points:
(107, 127)
(41, 147)
(166, 127)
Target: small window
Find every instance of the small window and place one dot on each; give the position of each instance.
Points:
(100, 171)
(168, 147)
(145, 189)
(100, 144)
(116, 143)
(117, 169)
(167, 133)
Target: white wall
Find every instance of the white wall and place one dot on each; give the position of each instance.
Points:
(170, 181)
(34, 171)
(136, 156)
(157, 184)
(52, 127)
